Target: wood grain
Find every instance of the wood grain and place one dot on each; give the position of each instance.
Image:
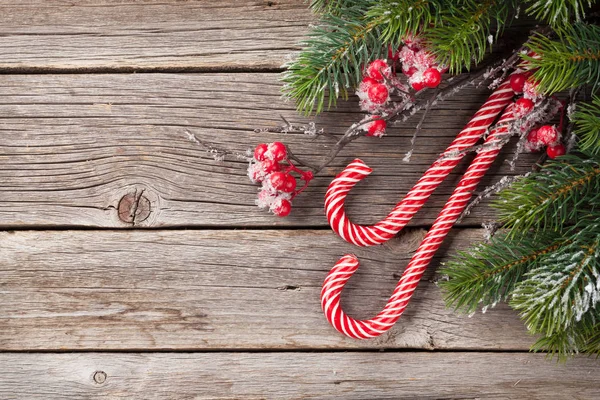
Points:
(71, 146)
(191, 290)
(146, 35)
(396, 375)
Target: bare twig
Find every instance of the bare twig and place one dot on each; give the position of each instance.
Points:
(419, 126)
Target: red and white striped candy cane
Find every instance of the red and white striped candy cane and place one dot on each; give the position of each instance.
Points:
(369, 235)
(347, 265)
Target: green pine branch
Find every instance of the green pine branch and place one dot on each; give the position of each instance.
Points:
(558, 13)
(465, 36)
(332, 58)
(487, 273)
(406, 18)
(564, 192)
(570, 61)
(587, 125)
(581, 337)
(565, 287)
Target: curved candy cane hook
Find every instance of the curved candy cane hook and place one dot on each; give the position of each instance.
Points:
(384, 230)
(347, 265)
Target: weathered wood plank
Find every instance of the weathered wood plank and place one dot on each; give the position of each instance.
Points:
(297, 375)
(170, 289)
(73, 145)
(149, 34)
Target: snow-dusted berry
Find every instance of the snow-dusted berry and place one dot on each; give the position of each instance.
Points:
(269, 166)
(418, 85)
(530, 90)
(377, 127)
(378, 93)
(517, 81)
(265, 198)
(523, 107)
(290, 184)
(432, 77)
(556, 150)
(379, 69)
(533, 144)
(276, 151)
(277, 180)
(409, 71)
(366, 83)
(424, 60)
(547, 134)
(259, 152)
(281, 207)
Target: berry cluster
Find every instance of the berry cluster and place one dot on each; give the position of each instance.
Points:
(380, 82)
(419, 65)
(272, 168)
(546, 135)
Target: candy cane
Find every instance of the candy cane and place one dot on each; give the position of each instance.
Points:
(347, 265)
(369, 235)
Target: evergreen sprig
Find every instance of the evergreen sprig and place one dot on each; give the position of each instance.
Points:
(587, 125)
(569, 61)
(400, 19)
(489, 272)
(565, 192)
(565, 288)
(465, 35)
(332, 58)
(558, 13)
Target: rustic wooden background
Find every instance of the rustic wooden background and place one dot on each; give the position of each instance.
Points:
(202, 295)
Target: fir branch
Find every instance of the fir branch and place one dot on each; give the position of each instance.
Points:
(487, 273)
(337, 48)
(565, 288)
(571, 60)
(465, 35)
(558, 13)
(587, 125)
(562, 192)
(400, 19)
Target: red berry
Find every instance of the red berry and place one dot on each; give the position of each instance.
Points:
(556, 151)
(547, 134)
(418, 86)
(278, 151)
(377, 127)
(378, 69)
(532, 137)
(307, 176)
(290, 184)
(259, 152)
(282, 209)
(277, 180)
(432, 77)
(522, 107)
(410, 71)
(517, 81)
(367, 82)
(378, 93)
(270, 166)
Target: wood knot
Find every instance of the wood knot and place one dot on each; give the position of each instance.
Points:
(134, 207)
(99, 377)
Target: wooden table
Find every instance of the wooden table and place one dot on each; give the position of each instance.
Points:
(200, 294)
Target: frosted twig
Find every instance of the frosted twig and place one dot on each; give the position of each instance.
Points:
(217, 153)
(309, 129)
(502, 184)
